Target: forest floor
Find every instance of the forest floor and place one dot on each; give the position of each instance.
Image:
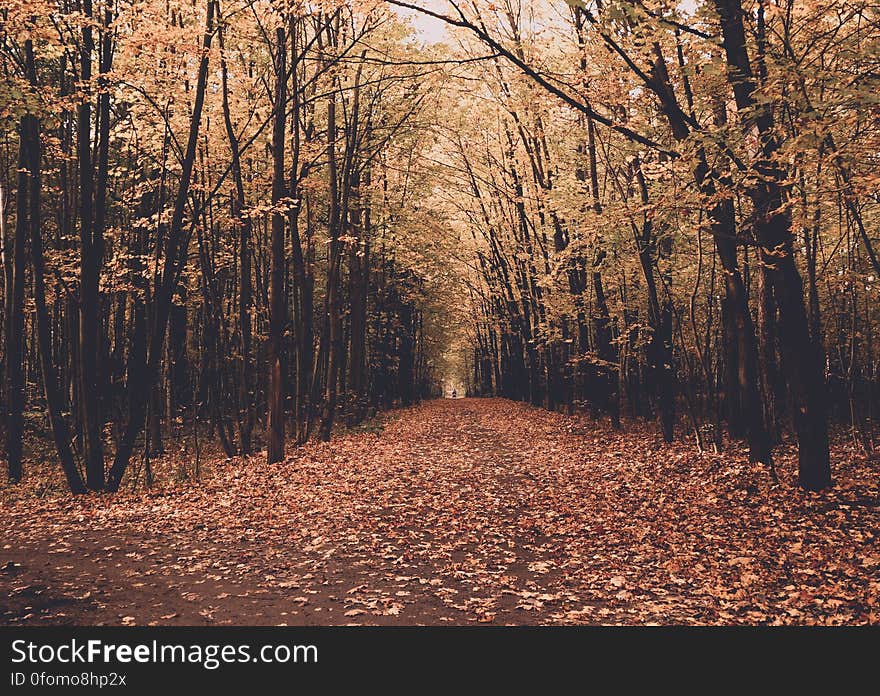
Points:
(456, 512)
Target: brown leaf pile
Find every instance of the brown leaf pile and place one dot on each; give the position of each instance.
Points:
(482, 511)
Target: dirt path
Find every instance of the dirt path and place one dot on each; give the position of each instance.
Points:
(456, 512)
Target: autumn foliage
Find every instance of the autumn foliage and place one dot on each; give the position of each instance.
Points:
(237, 235)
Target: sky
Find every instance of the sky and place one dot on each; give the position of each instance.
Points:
(430, 30)
(434, 30)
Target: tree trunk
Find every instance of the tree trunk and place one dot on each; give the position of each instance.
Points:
(243, 227)
(15, 383)
(176, 243)
(358, 270)
(802, 359)
(606, 350)
(277, 262)
(30, 135)
(659, 349)
(90, 268)
(333, 342)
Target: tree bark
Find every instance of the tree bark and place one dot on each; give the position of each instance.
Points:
(802, 359)
(333, 342)
(243, 228)
(15, 382)
(91, 252)
(30, 134)
(277, 262)
(176, 243)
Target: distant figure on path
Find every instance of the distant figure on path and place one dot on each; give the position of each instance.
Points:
(454, 394)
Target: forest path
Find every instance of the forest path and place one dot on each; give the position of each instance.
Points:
(453, 511)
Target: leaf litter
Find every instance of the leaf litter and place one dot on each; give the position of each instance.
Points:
(464, 511)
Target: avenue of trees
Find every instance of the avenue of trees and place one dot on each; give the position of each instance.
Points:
(270, 218)
(675, 214)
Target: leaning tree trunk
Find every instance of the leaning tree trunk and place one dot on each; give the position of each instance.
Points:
(743, 395)
(30, 142)
(176, 243)
(801, 356)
